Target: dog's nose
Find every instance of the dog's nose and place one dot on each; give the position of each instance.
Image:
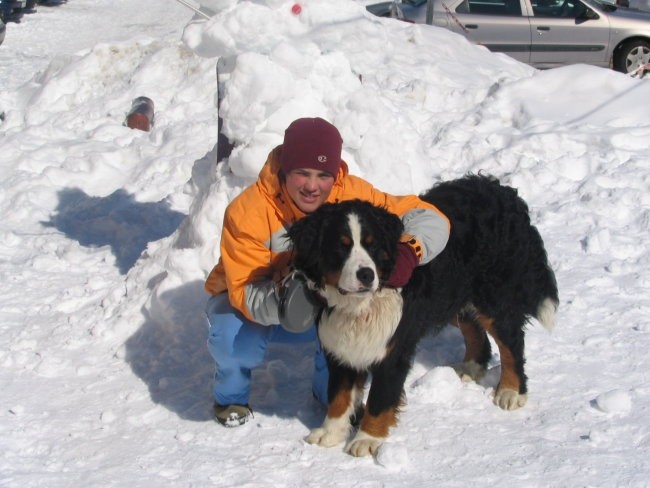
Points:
(365, 276)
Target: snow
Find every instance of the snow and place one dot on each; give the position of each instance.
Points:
(108, 233)
(615, 401)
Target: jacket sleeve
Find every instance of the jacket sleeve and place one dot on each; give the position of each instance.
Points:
(426, 228)
(246, 261)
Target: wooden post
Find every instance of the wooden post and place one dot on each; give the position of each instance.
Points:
(225, 65)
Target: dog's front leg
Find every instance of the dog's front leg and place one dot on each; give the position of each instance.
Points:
(372, 433)
(345, 391)
(385, 397)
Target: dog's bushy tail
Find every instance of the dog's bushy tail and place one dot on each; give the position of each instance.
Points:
(548, 292)
(546, 313)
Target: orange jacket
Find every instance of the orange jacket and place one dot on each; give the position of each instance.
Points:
(254, 249)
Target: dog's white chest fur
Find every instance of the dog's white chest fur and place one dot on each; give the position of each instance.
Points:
(358, 329)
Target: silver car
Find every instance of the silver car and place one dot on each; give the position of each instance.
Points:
(542, 33)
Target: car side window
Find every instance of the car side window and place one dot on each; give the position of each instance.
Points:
(568, 9)
(490, 7)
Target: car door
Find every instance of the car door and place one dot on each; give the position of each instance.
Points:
(496, 24)
(567, 31)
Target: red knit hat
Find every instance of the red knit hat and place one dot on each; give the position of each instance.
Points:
(311, 143)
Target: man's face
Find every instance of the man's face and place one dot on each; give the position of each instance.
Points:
(308, 188)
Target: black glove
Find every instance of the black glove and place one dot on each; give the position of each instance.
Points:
(298, 306)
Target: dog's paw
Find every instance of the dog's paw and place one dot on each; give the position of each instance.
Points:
(469, 371)
(326, 438)
(364, 445)
(508, 399)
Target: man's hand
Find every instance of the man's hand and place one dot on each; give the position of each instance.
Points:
(298, 307)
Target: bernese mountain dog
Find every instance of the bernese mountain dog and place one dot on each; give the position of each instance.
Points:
(492, 278)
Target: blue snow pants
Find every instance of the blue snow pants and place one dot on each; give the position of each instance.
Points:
(238, 345)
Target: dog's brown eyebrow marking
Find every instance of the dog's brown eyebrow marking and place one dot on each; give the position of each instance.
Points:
(369, 239)
(346, 241)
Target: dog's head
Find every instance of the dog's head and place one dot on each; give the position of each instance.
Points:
(349, 246)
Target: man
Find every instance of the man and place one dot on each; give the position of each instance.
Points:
(298, 177)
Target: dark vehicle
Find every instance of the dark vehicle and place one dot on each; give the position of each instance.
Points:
(542, 33)
(11, 10)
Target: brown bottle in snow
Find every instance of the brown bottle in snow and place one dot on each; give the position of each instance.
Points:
(141, 114)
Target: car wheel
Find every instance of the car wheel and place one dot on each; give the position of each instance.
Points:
(631, 56)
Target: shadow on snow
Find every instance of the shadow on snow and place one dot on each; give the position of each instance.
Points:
(118, 221)
(170, 355)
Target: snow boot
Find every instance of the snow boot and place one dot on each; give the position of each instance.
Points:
(232, 415)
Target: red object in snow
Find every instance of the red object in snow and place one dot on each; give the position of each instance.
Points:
(296, 9)
(141, 114)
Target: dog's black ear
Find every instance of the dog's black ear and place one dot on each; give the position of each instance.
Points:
(392, 225)
(391, 230)
(389, 226)
(305, 237)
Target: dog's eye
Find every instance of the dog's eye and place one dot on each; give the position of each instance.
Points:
(346, 241)
(369, 240)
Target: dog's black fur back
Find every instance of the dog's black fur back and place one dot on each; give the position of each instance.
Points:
(494, 265)
(495, 258)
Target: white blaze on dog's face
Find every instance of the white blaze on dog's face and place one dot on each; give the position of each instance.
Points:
(359, 272)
